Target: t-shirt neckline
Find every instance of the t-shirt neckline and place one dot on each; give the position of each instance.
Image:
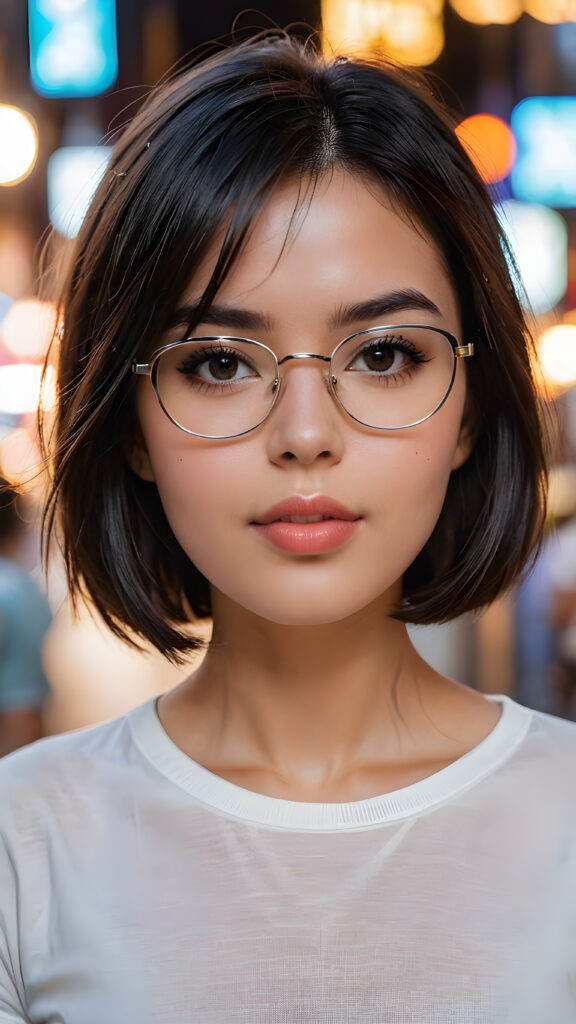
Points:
(274, 812)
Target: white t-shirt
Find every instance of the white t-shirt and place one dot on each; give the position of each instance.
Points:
(137, 887)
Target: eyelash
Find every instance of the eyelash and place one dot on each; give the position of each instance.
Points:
(213, 350)
(205, 354)
(398, 344)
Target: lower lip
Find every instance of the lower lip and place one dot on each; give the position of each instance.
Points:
(308, 538)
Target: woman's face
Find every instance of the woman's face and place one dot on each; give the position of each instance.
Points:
(346, 248)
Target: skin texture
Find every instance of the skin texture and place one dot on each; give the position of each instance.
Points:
(294, 698)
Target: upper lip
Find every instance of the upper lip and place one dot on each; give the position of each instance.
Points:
(319, 505)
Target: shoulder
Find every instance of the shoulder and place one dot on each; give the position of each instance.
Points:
(546, 760)
(546, 727)
(58, 775)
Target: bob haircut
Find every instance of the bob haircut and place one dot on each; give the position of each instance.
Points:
(207, 149)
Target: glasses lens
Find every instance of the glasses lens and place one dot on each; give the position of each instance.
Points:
(393, 377)
(216, 387)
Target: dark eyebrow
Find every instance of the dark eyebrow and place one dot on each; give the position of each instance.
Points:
(249, 320)
(384, 306)
(221, 315)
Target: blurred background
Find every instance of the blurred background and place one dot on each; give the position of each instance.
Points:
(72, 73)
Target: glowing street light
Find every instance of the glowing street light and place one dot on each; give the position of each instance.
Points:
(21, 388)
(557, 346)
(18, 144)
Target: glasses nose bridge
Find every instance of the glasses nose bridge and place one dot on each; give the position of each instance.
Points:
(304, 355)
(309, 355)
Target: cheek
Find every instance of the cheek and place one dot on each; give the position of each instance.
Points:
(416, 470)
(202, 487)
(188, 480)
(196, 491)
(411, 489)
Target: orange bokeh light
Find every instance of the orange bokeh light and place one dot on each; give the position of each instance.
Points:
(19, 454)
(490, 144)
(28, 327)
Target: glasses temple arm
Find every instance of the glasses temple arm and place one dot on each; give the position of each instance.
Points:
(462, 351)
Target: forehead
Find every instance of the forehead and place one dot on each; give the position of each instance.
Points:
(336, 240)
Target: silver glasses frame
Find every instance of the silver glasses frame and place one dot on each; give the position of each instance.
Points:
(150, 369)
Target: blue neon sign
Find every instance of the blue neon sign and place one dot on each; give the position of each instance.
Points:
(545, 168)
(73, 47)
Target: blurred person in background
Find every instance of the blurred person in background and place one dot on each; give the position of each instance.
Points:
(24, 621)
(561, 575)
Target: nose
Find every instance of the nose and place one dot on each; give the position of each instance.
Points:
(305, 424)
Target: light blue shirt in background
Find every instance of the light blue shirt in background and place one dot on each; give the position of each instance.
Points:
(24, 620)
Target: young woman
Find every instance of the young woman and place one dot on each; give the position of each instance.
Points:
(296, 396)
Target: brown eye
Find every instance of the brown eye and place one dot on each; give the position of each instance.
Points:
(213, 365)
(378, 357)
(222, 367)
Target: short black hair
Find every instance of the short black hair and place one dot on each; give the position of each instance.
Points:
(208, 148)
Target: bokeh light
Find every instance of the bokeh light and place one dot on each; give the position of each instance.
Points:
(73, 48)
(545, 170)
(28, 327)
(490, 144)
(539, 240)
(74, 173)
(413, 35)
(557, 348)
(489, 12)
(410, 31)
(20, 388)
(551, 12)
(18, 144)
(19, 454)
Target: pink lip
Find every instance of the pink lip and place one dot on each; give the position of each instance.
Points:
(307, 538)
(300, 506)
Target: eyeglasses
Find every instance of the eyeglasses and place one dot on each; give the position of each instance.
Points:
(387, 378)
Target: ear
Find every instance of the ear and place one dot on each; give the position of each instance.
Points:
(466, 437)
(136, 455)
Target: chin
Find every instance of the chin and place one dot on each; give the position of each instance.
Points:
(315, 611)
(299, 618)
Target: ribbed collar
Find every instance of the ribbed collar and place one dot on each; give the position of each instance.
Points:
(299, 816)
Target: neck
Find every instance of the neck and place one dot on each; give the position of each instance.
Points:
(307, 703)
